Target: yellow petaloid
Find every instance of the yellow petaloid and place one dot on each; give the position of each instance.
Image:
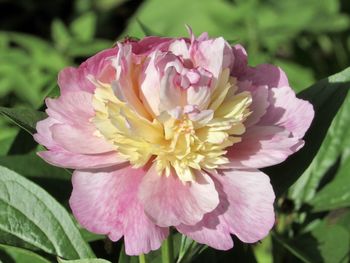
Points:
(186, 142)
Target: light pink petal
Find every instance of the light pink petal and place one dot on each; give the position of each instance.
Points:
(71, 107)
(80, 139)
(212, 230)
(287, 111)
(75, 79)
(266, 75)
(150, 85)
(44, 135)
(170, 202)
(180, 48)
(62, 158)
(250, 212)
(263, 146)
(212, 55)
(107, 203)
(260, 102)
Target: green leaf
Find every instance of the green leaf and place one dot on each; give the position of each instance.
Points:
(326, 242)
(24, 117)
(327, 97)
(60, 34)
(83, 28)
(18, 255)
(145, 29)
(87, 260)
(335, 194)
(305, 188)
(291, 248)
(29, 216)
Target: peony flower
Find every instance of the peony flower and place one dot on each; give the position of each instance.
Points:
(171, 132)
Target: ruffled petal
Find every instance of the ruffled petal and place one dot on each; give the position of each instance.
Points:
(245, 210)
(106, 202)
(263, 146)
(287, 111)
(170, 202)
(75, 79)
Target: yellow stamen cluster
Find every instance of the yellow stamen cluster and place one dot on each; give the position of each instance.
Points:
(184, 143)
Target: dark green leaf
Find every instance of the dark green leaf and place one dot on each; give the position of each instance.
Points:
(327, 97)
(305, 188)
(87, 260)
(336, 194)
(19, 255)
(33, 217)
(326, 242)
(23, 117)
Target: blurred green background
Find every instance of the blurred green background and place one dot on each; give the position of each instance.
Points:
(309, 39)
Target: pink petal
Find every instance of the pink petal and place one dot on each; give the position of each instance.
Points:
(212, 230)
(106, 203)
(71, 107)
(287, 111)
(212, 55)
(75, 79)
(240, 61)
(62, 158)
(170, 202)
(80, 139)
(148, 44)
(260, 103)
(263, 146)
(250, 213)
(266, 75)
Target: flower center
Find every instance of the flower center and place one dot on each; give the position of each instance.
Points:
(184, 138)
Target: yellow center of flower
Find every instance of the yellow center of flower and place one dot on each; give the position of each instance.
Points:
(184, 142)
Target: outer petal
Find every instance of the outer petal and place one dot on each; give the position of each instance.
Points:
(287, 111)
(245, 210)
(266, 74)
(62, 158)
(80, 140)
(263, 146)
(75, 79)
(106, 203)
(170, 202)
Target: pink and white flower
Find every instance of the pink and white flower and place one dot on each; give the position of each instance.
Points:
(168, 132)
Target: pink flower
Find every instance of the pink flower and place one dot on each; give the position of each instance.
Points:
(171, 132)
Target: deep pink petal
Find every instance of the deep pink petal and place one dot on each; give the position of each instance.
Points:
(263, 146)
(287, 111)
(240, 61)
(170, 202)
(107, 203)
(75, 79)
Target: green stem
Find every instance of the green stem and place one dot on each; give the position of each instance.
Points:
(142, 258)
(167, 250)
